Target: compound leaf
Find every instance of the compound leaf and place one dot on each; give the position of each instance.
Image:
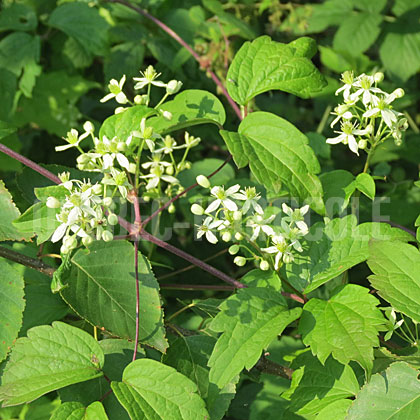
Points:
(102, 289)
(248, 321)
(152, 390)
(345, 326)
(277, 153)
(263, 65)
(50, 358)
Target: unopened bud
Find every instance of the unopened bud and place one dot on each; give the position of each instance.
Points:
(170, 170)
(88, 127)
(70, 242)
(97, 189)
(239, 261)
(173, 86)
(138, 99)
(264, 265)
(378, 77)
(87, 241)
(107, 236)
(83, 159)
(107, 201)
(226, 236)
(203, 181)
(53, 203)
(167, 115)
(237, 215)
(112, 219)
(147, 132)
(362, 144)
(234, 249)
(132, 168)
(197, 210)
(239, 236)
(121, 146)
(399, 93)
(119, 110)
(64, 249)
(172, 208)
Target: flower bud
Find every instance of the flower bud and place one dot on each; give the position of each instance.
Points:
(53, 203)
(226, 236)
(97, 189)
(138, 99)
(121, 146)
(197, 210)
(88, 127)
(132, 168)
(237, 215)
(187, 165)
(83, 159)
(362, 144)
(147, 132)
(167, 115)
(264, 265)
(234, 249)
(107, 201)
(112, 219)
(119, 110)
(173, 87)
(107, 236)
(203, 181)
(172, 208)
(239, 261)
(378, 77)
(70, 242)
(64, 250)
(146, 198)
(288, 257)
(399, 93)
(239, 236)
(169, 170)
(87, 241)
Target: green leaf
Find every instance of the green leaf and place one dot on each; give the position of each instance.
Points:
(126, 58)
(48, 359)
(396, 269)
(399, 51)
(358, 32)
(315, 386)
(17, 50)
(329, 13)
(53, 105)
(103, 277)
(38, 220)
(277, 153)
(345, 326)
(335, 248)
(263, 65)
(248, 321)
(17, 17)
(336, 410)
(83, 23)
(370, 6)
(402, 6)
(365, 184)
(189, 356)
(8, 86)
(76, 411)
(6, 129)
(338, 188)
(150, 389)
(12, 306)
(188, 108)
(123, 124)
(27, 82)
(9, 212)
(394, 394)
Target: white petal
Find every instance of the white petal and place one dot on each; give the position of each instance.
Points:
(304, 210)
(353, 145)
(213, 206)
(211, 237)
(64, 147)
(230, 205)
(277, 260)
(286, 209)
(246, 206)
(371, 112)
(232, 189)
(108, 161)
(107, 97)
(59, 233)
(123, 161)
(336, 140)
(270, 250)
(268, 230)
(257, 208)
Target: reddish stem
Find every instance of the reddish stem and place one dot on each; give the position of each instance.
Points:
(178, 39)
(30, 164)
(175, 286)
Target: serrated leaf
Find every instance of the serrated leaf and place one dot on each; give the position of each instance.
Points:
(38, 220)
(365, 184)
(336, 410)
(48, 359)
(152, 390)
(83, 23)
(335, 248)
(277, 153)
(396, 278)
(248, 321)
(77, 54)
(394, 394)
(370, 6)
(315, 386)
(76, 411)
(358, 32)
(346, 326)
(188, 108)
(11, 306)
(8, 213)
(338, 187)
(103, 277)
(126, 58)
(189, 356)
(263, 65)
(123, 124)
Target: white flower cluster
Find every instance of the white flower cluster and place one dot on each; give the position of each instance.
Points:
(144, 159)
(235, 214)
(366, 116)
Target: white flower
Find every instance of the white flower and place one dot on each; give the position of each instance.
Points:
(348, 79)
(258, 223)
(73, 139)
(156, 175)
(222, 197)
(279, 248)
(115, 88)
(364, 84)
(346, 135)
(206, 229)
(155, 162)
(293, 234)
(147, 134)
(341, 111)
(119, 179)
(191, 141)
(149, 78)
(109, 150)
(381, 106)
(169, 145)
(251, 197)
(296, 216)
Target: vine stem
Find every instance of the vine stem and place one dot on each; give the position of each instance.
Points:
(30, 164)
(136, 267)
(180, 41)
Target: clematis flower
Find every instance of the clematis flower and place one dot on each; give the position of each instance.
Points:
(347, 135)
(115, 88)
(258, 224)
(222, 197)
(149, 77)
(365, 89)
(250, 195)
(280, 248)
(207, 227)
(296, 216)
